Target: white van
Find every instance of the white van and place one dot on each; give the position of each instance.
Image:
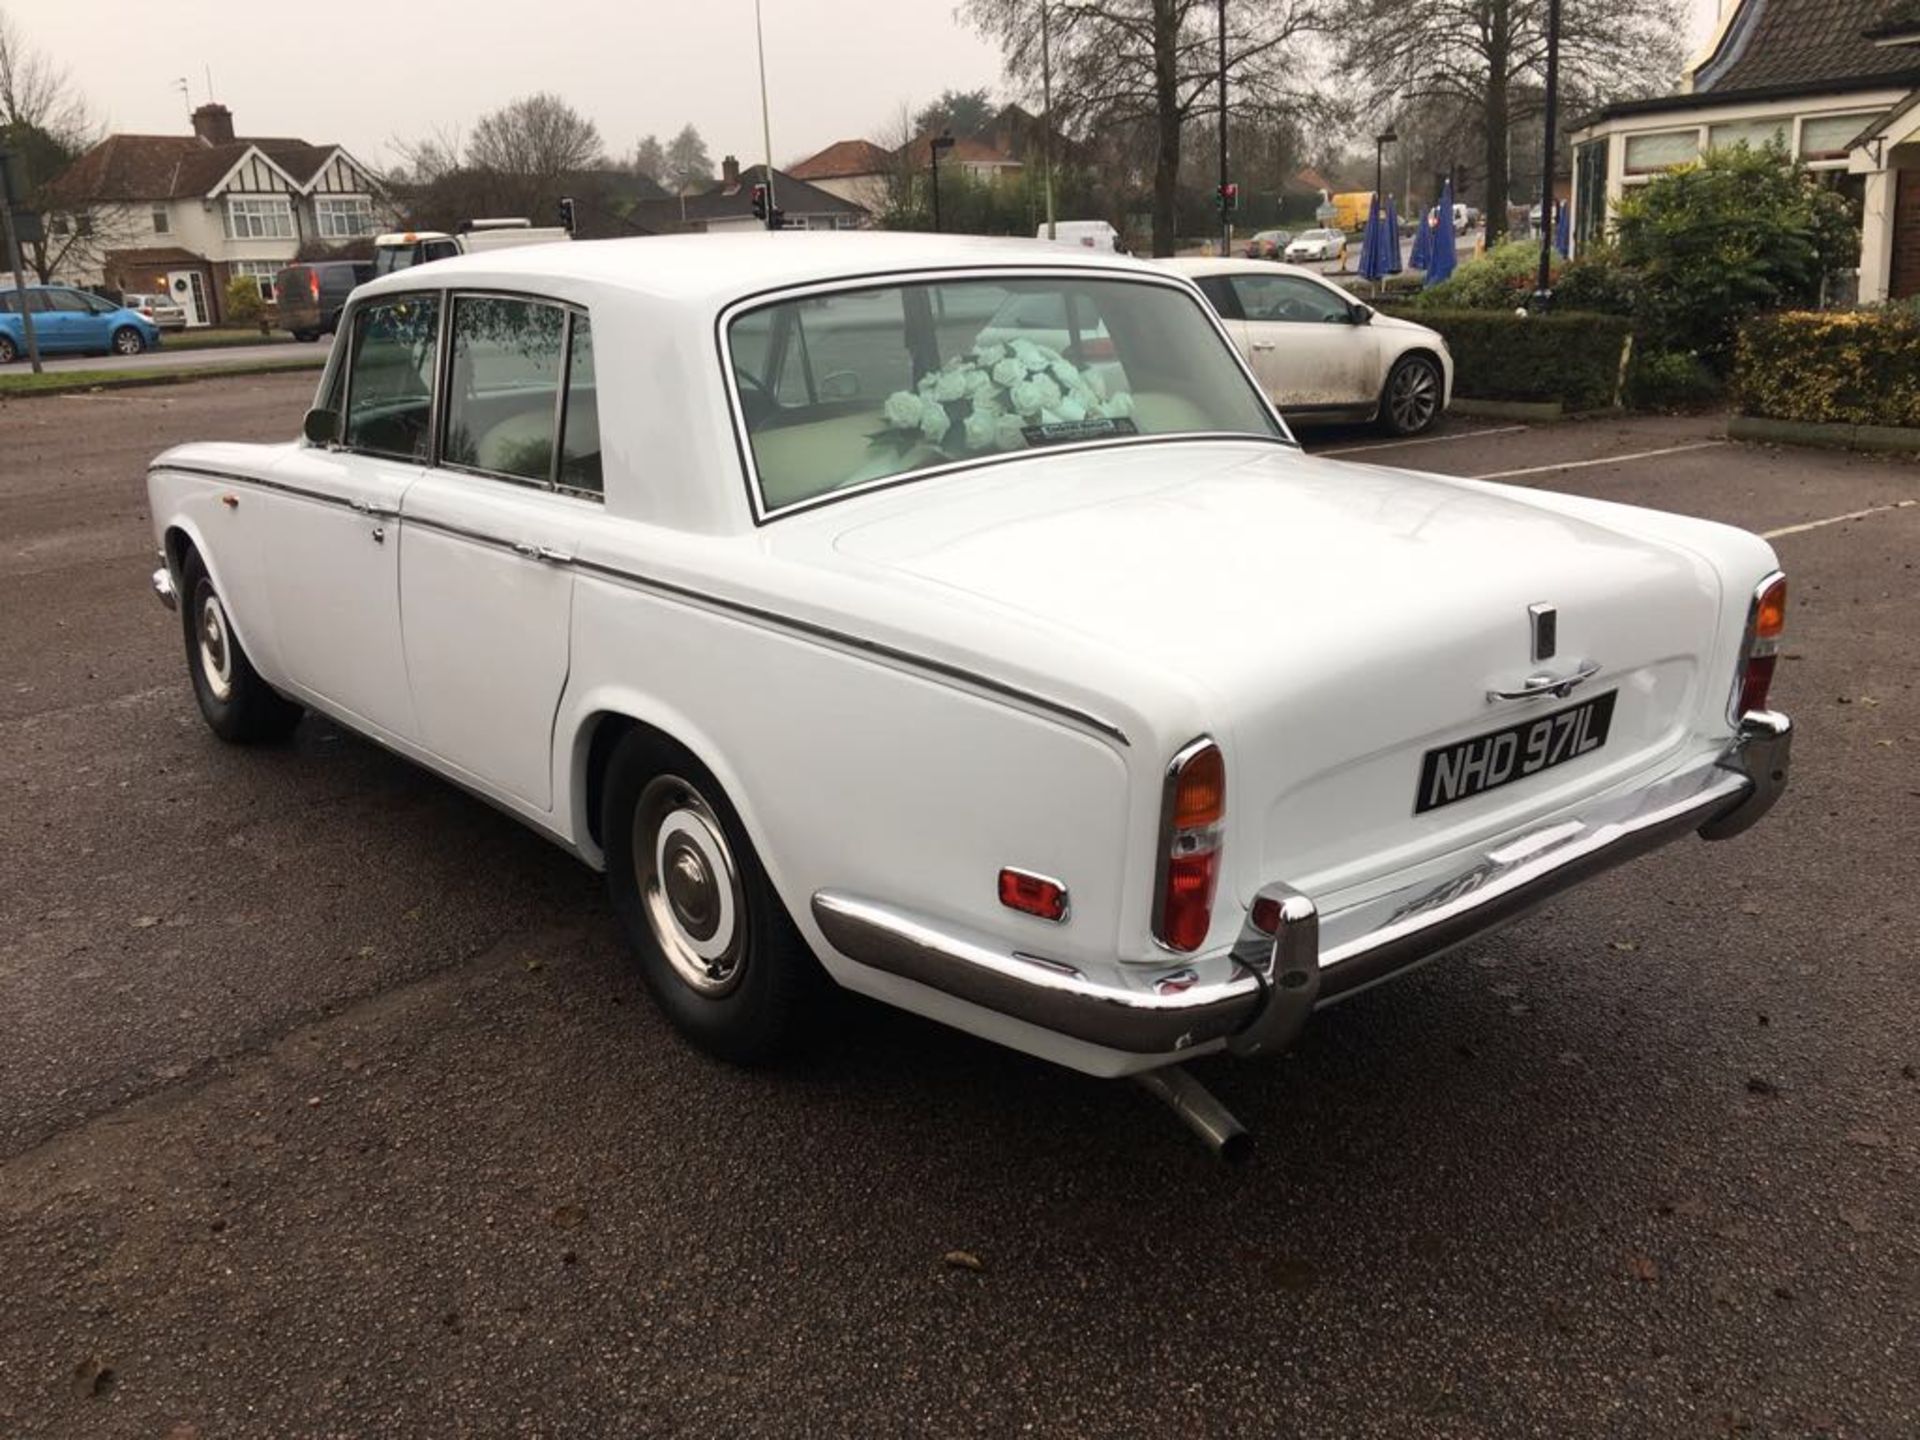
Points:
(399, 251)
(1094, 234)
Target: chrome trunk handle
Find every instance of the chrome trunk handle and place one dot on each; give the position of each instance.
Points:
(1536, 687)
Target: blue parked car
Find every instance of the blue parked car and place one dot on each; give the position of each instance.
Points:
(66, 321)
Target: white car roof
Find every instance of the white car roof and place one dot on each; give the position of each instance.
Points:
(1232, 265)
(714, 270)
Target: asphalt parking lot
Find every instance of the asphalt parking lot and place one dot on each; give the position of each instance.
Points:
(329, 1107)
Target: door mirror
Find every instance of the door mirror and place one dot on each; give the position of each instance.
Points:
(1360, 314)
(840, 385)
(321, 427)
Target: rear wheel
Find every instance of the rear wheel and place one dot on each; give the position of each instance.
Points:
(8, 354)
(711, 937)
(128, 341)
(1410, 400)
(236, 703)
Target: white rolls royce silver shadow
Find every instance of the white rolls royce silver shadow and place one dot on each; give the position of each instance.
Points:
(956, 621)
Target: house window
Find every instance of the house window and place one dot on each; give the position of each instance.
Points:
(262, 272)
(343, 217)
(1825, 137)
(161, 225)
(1648, 154)
(1754, 134)
(264, 217)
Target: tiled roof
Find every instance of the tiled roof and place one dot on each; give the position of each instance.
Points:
(1773, 44)
(965, 151)
(168, 167)
(841, 159)
(1897, 17)
(155, 255)
(731, 202)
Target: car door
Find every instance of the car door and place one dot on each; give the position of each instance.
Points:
(1306, 348)
(56, 321)
(335, 544)
(486, 585)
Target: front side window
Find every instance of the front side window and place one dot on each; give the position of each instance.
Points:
(504, 386)
(390, 376)
(856, 386)
(343, 217)
(68, 302)
(1291, 300)
(262, 217)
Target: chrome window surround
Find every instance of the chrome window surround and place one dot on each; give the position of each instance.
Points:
(347, 321)
(1163, 843)
(1750, 647)
(743, 441)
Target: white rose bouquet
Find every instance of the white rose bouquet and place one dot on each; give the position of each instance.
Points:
(1002, 397)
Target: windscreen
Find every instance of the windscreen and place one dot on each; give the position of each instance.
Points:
(847, 388)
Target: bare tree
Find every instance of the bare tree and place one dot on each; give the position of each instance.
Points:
(37, 93)
(689, 167)
(529, 148)
(1486, 60)
(1124, 62)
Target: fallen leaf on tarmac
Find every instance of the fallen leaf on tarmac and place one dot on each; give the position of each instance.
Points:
(536, 964)
(1857, 1221)
(1690, 1206)
(1643, 1269)
(1907, 1072)
(92, 1377)
(1624, 944)
(1760, 1085)
(1751, 910)
(145, 922)
(313, 1102)
(1871, 1139)
(1868, 701)
(185, 1430)
(567, 1217)
(962, 1260)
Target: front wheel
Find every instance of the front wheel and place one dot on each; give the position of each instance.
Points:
(8, 352)
(237, 704)
(712, 939)
(1410, 401)
(128, 341)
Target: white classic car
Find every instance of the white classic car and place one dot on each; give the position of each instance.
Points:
(1320, 353)
(1043, 687)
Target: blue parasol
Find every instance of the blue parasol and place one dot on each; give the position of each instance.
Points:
(1394, 267)
(1373, 244)
(1422, 241)
(1440, 264)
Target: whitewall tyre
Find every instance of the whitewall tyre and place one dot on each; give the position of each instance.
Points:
(237, 704)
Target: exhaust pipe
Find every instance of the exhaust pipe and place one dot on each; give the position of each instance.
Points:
(1201, 1110)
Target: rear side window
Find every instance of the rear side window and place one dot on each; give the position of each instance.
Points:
(390, 376)
(9, 303)
(580, 439)
(504, 386)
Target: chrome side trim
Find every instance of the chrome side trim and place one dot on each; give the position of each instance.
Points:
(861, 645)
(1265, 988)
(163, 587)
(278, 487)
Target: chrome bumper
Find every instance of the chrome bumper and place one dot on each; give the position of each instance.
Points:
(1275, 979)
(163, 588)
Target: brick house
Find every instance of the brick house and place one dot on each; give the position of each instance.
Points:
(184, 214)
(1837, 82)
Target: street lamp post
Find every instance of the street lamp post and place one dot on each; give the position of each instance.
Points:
(934, 146)
(1380, 143)
(1543, 291)
(1046, 106)
(1226, 215)
(15, 262)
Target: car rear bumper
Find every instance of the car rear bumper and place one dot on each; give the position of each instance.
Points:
(1275, 978)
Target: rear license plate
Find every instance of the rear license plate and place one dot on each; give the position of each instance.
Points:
(1472, 767)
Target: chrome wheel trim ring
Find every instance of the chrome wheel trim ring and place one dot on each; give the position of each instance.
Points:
(1415, 395)
(689, 886)
(216, 646)
(128, 342)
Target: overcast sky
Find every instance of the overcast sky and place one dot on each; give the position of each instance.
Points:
(362, 73)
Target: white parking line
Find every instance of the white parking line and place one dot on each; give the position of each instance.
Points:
(1836, 519)
(1423, 440)
(1598, 460)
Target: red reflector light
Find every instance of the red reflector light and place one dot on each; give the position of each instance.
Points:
(1187, 911)
(1756, 682)
(1266, 915)
(1033, 894)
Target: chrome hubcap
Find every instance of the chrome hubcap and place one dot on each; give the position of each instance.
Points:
(1415, 395)
(127, 343)
(216, 650)
(689, 886)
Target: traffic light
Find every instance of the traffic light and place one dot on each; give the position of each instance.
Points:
(760, 202)
(566, 213)
(1229, 198)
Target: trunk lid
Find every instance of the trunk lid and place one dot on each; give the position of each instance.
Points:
(1337, 621)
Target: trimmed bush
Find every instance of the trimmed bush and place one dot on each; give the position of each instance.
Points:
(1845, 367)
(244, 306)
(1498, 280)
(1565, 356)
(1672, 380)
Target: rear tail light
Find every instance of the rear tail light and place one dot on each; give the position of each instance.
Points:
(1766, 623)
(313, 284)
(1192, 807)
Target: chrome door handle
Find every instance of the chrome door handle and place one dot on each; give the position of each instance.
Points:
(369, 507)
(379, 534)
(1262, 345)
(1535, 687)
(544, 553)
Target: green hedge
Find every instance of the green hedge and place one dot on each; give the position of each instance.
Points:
(1847, 367)
(1497, 355)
